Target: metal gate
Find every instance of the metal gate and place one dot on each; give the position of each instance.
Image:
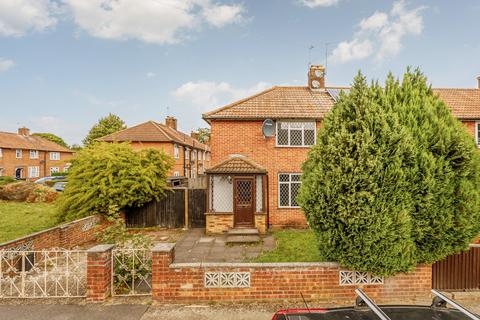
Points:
(458, 272)
(43, 274)
(131, 272)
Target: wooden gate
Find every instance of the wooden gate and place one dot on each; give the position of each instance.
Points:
(169, 212)
(197, 206)
(458, 272)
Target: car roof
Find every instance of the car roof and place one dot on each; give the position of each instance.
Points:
(393, 312)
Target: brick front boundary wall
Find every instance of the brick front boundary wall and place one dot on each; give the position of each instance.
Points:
(64, 236)
(185, 282)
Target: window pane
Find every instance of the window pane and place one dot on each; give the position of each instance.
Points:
(309, 137)
(295, 187)
(478, 133)
(296, 137)
(284, 196)
(282, 136)
(295, 177)
(283, 178)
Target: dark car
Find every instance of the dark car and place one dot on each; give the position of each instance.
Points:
(366, 309)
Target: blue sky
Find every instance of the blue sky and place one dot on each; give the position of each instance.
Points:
(65, 63)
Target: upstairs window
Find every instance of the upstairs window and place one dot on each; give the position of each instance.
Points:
(194, 155)
(288, 188)
(295, 134)
(33, 154)
(1, 153)
(54, 155)
(187, 154)
(176, 151)
(18, 153)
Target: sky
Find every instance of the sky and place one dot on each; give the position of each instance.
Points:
(66, 63)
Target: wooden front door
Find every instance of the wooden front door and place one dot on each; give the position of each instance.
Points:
(244, 201)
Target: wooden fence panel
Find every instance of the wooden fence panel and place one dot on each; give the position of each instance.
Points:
(197, 205)
(458, 272)
(169, 212)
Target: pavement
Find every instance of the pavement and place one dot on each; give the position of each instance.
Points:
(195, 246)
(146, 311)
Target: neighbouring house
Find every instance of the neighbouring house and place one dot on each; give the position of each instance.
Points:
(26, 156)
(259, 144)
(191, 157)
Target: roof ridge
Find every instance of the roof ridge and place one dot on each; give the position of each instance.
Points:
(208, 114)
(159, 127)
(127, 128)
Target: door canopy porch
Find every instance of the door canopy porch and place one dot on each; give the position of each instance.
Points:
(237, 186)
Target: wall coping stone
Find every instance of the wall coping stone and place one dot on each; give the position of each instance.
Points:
(32, 235)
(101, 248)
(163, 247)
(254, 265)
(218, 213)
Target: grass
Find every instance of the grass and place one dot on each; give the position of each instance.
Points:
(292, 246)
(18, 219)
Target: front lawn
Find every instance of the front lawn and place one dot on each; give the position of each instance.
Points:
(19, 219)
(292, 246)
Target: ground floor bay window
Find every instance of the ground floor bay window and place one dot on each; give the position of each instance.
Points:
(236, 196)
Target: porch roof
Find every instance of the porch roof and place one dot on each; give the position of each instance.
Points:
(237, 164)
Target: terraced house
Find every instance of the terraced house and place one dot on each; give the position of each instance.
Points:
(191, 157)
(259, 144)
(26, 156)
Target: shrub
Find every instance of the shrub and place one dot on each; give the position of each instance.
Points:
(6, 180)
(107, 177)
(392, 180)
(27, 191)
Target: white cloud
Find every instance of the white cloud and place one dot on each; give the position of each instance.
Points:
(319, 3)
(220, 15)
(381, 34)
(208, 94)
(151, 74)
(151, 21)
(17, 17)
(6, 64)
(353, 50)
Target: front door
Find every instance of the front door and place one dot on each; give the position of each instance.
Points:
(244, 200)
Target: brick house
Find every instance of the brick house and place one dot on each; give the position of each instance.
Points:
(241, 194)
(191, 157)
(25, 156)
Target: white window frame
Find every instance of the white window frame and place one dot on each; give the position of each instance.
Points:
(477, 138)
(34, 154)
(289, 188)
(53, 156)
(187, 154)
(176, 174)
(34, 172)
(194, 155)
(18, 153)
(176, 151)
(303, 145)
(54, 170)
(1, 171)
(1, 153)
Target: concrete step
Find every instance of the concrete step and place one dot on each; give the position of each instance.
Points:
(243, 231)
(236, 239)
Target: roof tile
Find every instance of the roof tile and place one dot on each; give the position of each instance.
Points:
(10, 140)
(237, 164)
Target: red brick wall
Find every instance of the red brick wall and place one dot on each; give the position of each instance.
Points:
(245, 137)
(99, 272)
(65, 236)
(276, 282)
(9, 162)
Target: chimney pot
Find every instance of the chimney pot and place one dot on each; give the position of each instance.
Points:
(478, 79)
(24, 131)
(316, 77)
(171, 122)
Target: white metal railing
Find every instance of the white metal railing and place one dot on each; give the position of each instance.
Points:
(54, 273)
(131, 272)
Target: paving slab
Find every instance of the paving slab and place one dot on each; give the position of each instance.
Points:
(72, 312)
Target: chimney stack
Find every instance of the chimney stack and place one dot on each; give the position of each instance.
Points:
(171, 122)
(24, 131)
(316, 77)
(194, 135)
(478, 79)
